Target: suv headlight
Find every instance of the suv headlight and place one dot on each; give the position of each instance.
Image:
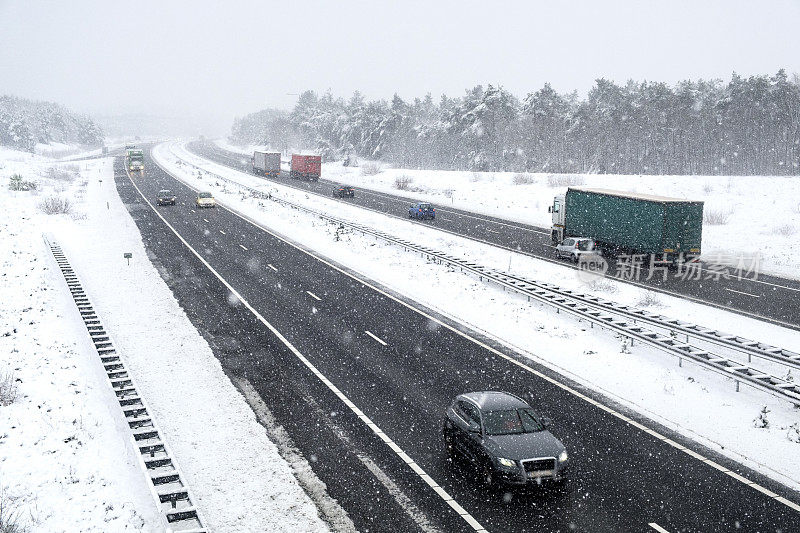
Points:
(506, 462)
(563, 457)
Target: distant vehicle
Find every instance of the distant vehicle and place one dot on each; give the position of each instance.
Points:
(134, 159)
(344, 191)
(504, 438)
(266, 163)
(166, 197)
(630, 222)
(205, 199)
(577, 248)
(421, 211)
(306, 167)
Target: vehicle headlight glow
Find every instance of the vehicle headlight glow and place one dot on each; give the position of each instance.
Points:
(563, 457)
(506, 462)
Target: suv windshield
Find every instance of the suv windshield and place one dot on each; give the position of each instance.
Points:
(165, 193)
(204, 195)
(424, 206)
(511, 421)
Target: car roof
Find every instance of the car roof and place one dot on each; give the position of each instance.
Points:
(494, 400)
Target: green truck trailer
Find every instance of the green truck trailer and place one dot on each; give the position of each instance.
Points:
(629, 222)
(134, 159)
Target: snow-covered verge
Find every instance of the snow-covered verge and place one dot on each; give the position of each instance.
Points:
(752, 214)
(698, 403)
(239, 479)
(65, 462)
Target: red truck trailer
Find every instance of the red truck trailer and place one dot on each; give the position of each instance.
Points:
(306, 167)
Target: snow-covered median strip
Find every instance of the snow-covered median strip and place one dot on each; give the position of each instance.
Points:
(241, 481)
(693, 401)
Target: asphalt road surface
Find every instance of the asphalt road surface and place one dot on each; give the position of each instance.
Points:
(401, 368)
(768, 297)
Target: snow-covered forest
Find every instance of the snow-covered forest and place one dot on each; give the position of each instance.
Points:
(747, 126)
(24, 123)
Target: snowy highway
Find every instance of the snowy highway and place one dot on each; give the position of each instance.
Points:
(769, 297)
(360, 379)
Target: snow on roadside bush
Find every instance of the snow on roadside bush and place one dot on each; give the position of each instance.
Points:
(55, 205)
(370, 168)
(10, 521)
(523, 179)
(402, 183)
(564, 180)
(17, 183)
(716, 217)
(762, 421)
(8, 390)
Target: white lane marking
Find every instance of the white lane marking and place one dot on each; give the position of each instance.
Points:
(193, 211)
(272, 267)
(657, 527)
(756, 281)
(368, 332)
(243, 247)
(741, 292)
(222, 232)
(492, 231)
(333, 388)
(363, 281)
(314, 296)
(205, 219)
(330, 509)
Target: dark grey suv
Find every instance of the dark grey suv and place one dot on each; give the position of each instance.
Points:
(505, 438)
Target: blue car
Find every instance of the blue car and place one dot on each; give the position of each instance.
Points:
(422, 211)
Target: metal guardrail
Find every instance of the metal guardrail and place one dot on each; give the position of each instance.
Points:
(736, 342)
(166, 483)
(598, 311)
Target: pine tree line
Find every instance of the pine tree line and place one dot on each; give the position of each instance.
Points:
(23, 123)
(749, 126)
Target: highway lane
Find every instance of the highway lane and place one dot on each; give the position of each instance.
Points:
(623, 478)
(768, 297)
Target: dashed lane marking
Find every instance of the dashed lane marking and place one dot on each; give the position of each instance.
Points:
(243, 247)
(657, 527)
(742, 292)
(272, 267)
(314, 296)
(368, 332)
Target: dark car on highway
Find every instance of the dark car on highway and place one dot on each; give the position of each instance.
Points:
(344, 191)
(422, 211)
(504, 438)
(166, 197)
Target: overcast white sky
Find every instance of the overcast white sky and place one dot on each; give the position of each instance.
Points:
(216, 59)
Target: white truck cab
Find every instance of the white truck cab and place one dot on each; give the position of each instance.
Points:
(557, 210)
